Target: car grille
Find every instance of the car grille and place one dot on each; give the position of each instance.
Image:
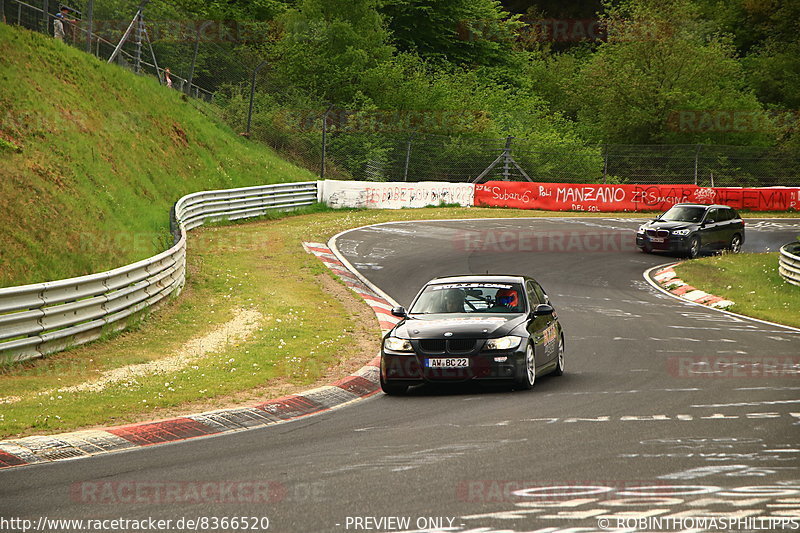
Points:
(460, 345)
(657, 233)
(449, 346)
(433, 345)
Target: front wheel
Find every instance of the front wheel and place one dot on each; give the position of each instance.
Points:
(393, 389)
(559, 370)
(694, 247)
(528, 378)
(736, 244)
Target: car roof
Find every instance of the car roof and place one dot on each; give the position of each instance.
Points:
(703, 205)
(479, 278)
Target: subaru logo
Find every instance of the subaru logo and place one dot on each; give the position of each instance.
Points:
(448, 334)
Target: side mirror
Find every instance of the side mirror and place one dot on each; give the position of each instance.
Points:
(542, 310)
(399, 311)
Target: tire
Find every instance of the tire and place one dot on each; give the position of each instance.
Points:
(694, 247)
(735, 245)
(559, 370)
(528, 378)
(646, 249)
(393, 389)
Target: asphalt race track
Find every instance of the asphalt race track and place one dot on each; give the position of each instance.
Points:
(666, 409)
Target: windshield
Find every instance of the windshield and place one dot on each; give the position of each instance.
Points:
(684, 214)
(469, 298)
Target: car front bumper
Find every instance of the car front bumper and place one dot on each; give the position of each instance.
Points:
(673, 243)
(411, 368)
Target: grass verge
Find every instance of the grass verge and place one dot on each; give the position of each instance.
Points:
(751, 281)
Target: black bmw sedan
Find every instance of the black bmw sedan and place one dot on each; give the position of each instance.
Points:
(492, 328)
(688, 229)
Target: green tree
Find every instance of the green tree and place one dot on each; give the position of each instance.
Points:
(657, 62)
(459, 32)
(327, 45)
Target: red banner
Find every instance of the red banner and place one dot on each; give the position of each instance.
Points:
(601, 198)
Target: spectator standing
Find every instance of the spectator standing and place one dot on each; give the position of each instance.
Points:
(58, 23)
(167, 78)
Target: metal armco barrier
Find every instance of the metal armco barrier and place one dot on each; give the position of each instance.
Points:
(789, 263)
(43, 318)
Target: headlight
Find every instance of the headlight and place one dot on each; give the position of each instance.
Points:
(641, 229)
(397, 345)
(503, 343)
(681, 231)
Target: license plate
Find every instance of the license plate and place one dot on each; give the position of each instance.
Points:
(656, 239)
(447, 362)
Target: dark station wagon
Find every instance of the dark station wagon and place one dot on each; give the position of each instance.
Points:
(488, 328)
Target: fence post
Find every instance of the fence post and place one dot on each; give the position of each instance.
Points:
(408, 156)
(696, 157)
(137, 65)
(89, 25)
(324, 140)
(605, 162)
(45, 19)
(252, 95)
(507, 159)
(194, 59)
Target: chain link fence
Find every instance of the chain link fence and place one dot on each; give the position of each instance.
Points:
(423, 157)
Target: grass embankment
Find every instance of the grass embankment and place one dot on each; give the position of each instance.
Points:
(307, 330)
(751, 281)
(93, 157)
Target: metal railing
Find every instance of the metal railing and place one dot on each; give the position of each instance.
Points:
(43, 318)
(789, 263)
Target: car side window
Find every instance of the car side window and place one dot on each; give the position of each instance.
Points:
(725, 215)
(712, 216)
(533, 299)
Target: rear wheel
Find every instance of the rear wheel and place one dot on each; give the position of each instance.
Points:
(393, 389)
(736, 244)
(559, 370)
(528, 378)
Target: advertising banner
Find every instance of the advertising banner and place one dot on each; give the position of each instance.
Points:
(380, 195)
(608, 198)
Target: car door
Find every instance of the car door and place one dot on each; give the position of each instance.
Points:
(537, 326)
(551, 334)
(542, 328)
(709, 229)
(726, 226)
